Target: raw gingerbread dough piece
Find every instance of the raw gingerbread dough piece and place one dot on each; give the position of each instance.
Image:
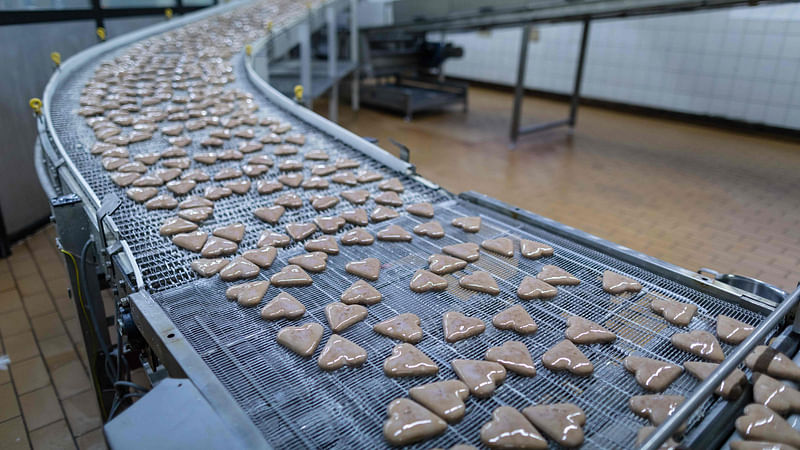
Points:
(382, 213)
(369, 268)
(731, 330)
(652, 374)
(501, 246)
(404, 327)
(208, 267)
(510, 429)
(290, 276)
(457, 326)
(240, 187)
(192, 241)
(514, 356)
(759, 445)
(341, 316)
(388, 198)
(469, 224)
(266, 187)
(774, 394)
(195, 202)
(467, 251)
(656, 407)
(124, 179)
(408, 361)
(175, 225)
(321, 203)
(443, 264)
(290, 165)
(361, 293)
(285, 150)
(480, 281)
(444, 398)
(228, 173)
(217, 192)
(316, 155)
(355, 196)
(394, 233)
(313, 262)
(322, 170)
(761, 423)
(561, 422)
(533, 250)
(366, 176)
(772, 362)
(699, 343)
(515, 318)
(248, 294)
(233, 232)
(357, 236)
(345, 163)
(289, 201)
(481, 377)
(423, 209)
(424, 281)
(262, 257)
(584, 331)
(676, 313)
(270, 214)
(555, 276)
(566, 356)
(300, 231)
(615, 283)
(392, 184)
(217, 246)
(141, 194)
(432, 229)
(329, 224)
(178, 187)
(273, 239)
(339, 352)
(356, 216)
(196, 214)
(181, 188)
(646, 431)
(284, 305)
(239, 269)
(325, 244)
(349, 179)
(731, 387)
(409, 422)
(196, 175)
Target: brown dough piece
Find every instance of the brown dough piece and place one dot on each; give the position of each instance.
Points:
(732, 331)
(394, 233)
(566, 356)
(341, 316)
(388, 198)
(761, 423)
(772, 362)
(270, 214)
(325, 244)
(481, 377)
(266, 187)
(731, 387)
(444, 398)
(561, 422)
(248, 294)
(302, 339)
(775, 394)
(699, 343)
(273, 239)
(356, 216)
(349, 179)
(392, 184)
(290, 276)
(652, 374)
(355, 196)
(321, 203)
(175, 225)
(424, 281)
(289, 201)
(584, 331)
(239, 269)
(217, 192)
(514, 356)
(457, 326)
(233, 232)
(467, 251)
(300, 231)
(361, 293)
(515, 318)
(656, 407)
(196, 214)
(432, 229)
(141, 194)
(339, 352)
(533, 250)
(408, 361)
(555, 276)
(443, 264)
(192, 241)
(382, 213)
(262, 257)
(369, 268)
(423, 209)
(480, 281)
(283, 306)
(410, 422)
(501, 246)
(469, 224)
(615, 283)
(329, 224)
(208, 267)
(404, 327)
(195, 202)
(313, 262)
(217, 246)
(676, 313)
(357, 236)
(510, 429)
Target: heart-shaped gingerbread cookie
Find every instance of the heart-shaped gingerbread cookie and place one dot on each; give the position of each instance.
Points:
(313, 262)
(233, 232)
(408, 361)
(515, 318)
(468, 251)
(480, 281)
(502, 246)
(424, 281)
(300, 231)
(514, 356)
(533, 250)
(457, 326)
(239, 269)
(443, 264)
(555, 276)
(369, 268)
(290, 276)
(616, 284)
(248, 294)
(675, 312)
(325, 244)
(481, 377)
(284, 305)
(361, 293)
(584, 331)
(270, 214)
(410, 422)
(510, 429)
(444, 398)
(432, 229)
(561, 422)
(652, 374)
(404, 327)
(763, 424)
(341, 316)
(262, 257)
(329, 224)
(357, 236)
(470, 224)
(339, 352)
(394, 233)
(423, 209)
(566, 356)
(302, 339)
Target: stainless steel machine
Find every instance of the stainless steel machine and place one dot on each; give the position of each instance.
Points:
(221, 379)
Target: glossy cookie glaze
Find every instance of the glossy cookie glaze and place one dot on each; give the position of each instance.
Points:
(584, 331)
(410, 422)
(561, 422)
(481, 377)
(514, 356)
(652, 374)
(283, 305)
(531, 288)
(763, 424)
(361, 293)
(404, 327)
(302, 339)
(566, 356)
(515, 318)
(731, 387)
(699, 343)
(339, 352)
(457, 326)
(510, 429)
(408, 361)
(424, 281)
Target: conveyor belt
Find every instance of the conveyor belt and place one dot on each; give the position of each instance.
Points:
(294, 403)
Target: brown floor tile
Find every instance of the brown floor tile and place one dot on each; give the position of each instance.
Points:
(38, 304)
(10, 300)
(5, 375)
(13, 435)
(93, 440)
(58, 286)
(14, 322)
(40, 408)
(21, 346)
(74, 329)
(53, 269)
(70, 379)
(82, 412)
(30, 284)
(8, 402)
(47, 326)
(29, 375)
(7, 281)
(54, 436)
(66, 307)
(24, 268)
(4, 267)
(57, 351)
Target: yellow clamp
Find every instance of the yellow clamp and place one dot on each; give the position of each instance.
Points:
(36, 105)
(269, 27)
(308, 6)
(56, 57)
(168, 13)
(248, 49)
(101, 33)
(298, 92)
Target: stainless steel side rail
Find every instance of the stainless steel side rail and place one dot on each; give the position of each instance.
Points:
(704, 390)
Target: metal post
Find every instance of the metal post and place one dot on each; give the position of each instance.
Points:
(305, 61)
(333, 47)
(576, 91)
(97, 10)
(5, 245)
(689, 407)
(354, 100)
(519, 90)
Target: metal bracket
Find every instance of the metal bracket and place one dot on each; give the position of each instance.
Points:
(405, 152)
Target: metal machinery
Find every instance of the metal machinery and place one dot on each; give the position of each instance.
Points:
(220, 378)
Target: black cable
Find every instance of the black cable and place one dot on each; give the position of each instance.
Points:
(131, 385)
(108, 364)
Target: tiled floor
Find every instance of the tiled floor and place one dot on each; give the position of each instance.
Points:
(691, 195)
(46, 397)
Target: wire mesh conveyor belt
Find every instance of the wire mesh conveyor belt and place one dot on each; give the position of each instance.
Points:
(291, 400)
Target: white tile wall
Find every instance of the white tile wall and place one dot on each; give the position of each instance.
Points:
(741, 63)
